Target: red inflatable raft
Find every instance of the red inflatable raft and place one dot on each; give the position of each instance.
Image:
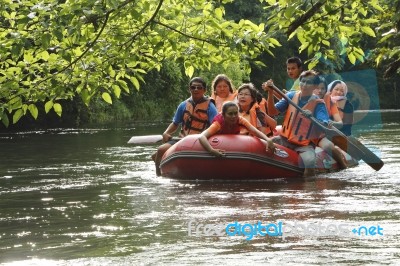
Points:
(246, 159)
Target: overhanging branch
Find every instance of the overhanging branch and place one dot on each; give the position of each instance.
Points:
(305, 17)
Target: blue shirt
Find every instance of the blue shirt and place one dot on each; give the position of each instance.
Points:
(178, 117)
(320, 111)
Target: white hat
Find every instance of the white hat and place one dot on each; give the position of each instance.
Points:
(334, 83)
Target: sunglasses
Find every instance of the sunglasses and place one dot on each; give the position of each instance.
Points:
(196, 87)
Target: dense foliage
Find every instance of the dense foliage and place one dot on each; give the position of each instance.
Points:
(57, 50)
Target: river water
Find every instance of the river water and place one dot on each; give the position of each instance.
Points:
(85, 197)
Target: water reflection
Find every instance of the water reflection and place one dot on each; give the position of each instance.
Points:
(80, 197)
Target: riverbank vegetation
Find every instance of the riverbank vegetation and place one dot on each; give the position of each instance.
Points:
(64, 63)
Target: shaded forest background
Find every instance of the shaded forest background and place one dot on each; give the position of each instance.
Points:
(159, 96)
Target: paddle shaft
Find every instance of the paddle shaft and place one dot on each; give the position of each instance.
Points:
(355, 148)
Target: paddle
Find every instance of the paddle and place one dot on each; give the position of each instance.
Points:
(349, 144)
(149, 139)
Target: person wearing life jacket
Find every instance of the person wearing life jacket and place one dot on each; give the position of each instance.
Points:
(222, 91)
(297, 130)
(194, 115)
(334, 120)
(251, 111)
(337, 89)
(229, 122)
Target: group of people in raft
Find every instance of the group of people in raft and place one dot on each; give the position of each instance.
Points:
(245, 111)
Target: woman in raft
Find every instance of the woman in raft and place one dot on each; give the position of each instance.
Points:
(334, 120)
(229, 122)
(338, 92)
(222, 91)
(250, 110)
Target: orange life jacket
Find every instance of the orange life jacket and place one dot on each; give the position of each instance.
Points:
(298, 129)
(330, 105)
(263, 105)
(219, 102)
(195, 117)
(266, 121)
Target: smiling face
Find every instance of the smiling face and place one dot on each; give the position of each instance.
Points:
(231, 115)
(245, 99)
(222, 89)
(197, 90)
(338, 90)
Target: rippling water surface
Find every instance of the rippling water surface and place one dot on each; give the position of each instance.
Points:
(85, 197)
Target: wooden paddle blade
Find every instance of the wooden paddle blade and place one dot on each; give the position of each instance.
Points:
(149, 139)
(368, 156)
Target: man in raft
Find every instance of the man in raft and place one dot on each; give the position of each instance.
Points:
(194, 115)
(298, 132)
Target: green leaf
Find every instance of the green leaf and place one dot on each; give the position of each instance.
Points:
(345, 28)
(312, 64)
(303, 46)
(4, 119)
(43, 55)
(274, 41)
(111, 71)
(58, 34)
(189, 71)
(33, 110)
(117, 90)
(376, 6)
(57, 108)
(325, 42)
(46, 37)
(48, 106)
(17, 115)
(218, 13)
(123, 84)
(106, 97)
(28, 57)
(15, 103)
(370, 20)
(352, 58)
(85, 96)
(135, 82)
(368, 31)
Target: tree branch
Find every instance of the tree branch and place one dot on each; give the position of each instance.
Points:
(392, 69)
(182, 33)
(306, 16)
(132, 39)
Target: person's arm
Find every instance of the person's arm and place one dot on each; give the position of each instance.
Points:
(211, 112)
(267, 87)
(321, 113)
(255, 132)
(270, 145)
(203, 139)
(336, 122)
(167, 135)
(271, 109)
(176, 121)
